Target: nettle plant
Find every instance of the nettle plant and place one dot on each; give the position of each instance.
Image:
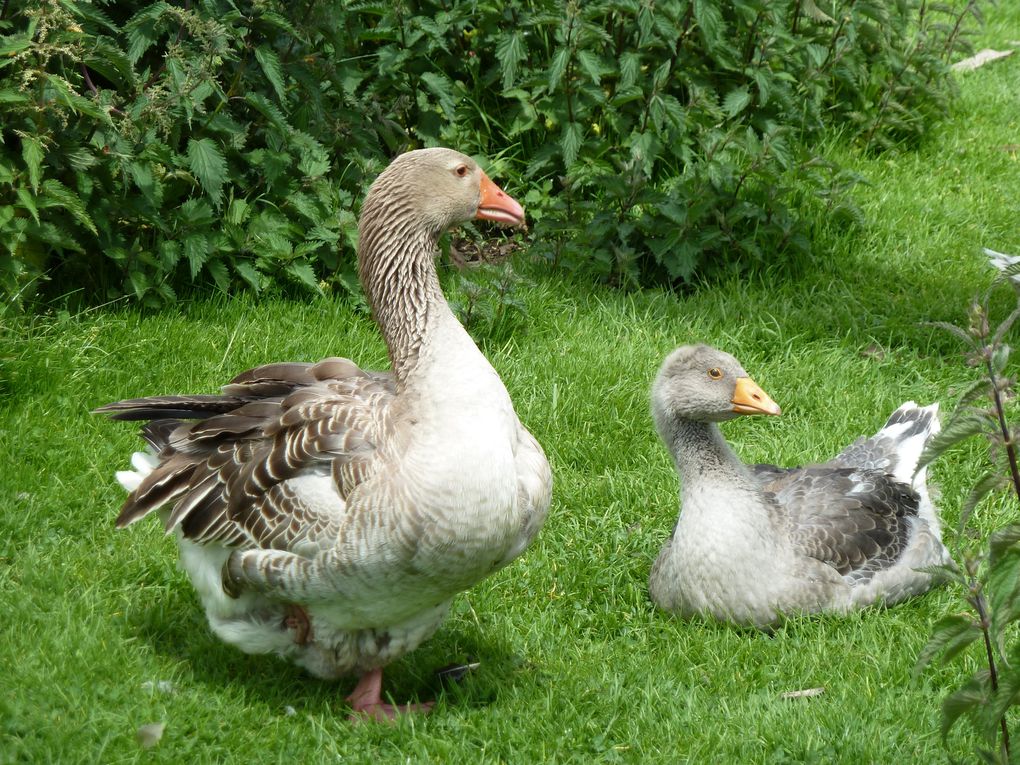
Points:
(987, 574)
(149, 146)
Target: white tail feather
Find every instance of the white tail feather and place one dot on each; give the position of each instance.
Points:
(143, 464)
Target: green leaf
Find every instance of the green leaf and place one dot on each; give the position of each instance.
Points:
(56, 194)
(32, 153)
(1002, 541)
(813, 12)
(710, 21)
(28, 203)
(304, 274)
(14, 44)
(736, 101)
(986, 484)
(958, 429)
(950, 636)
(249, 273)
(208, 165)
(196, 250)
(271, 68)
(220, 275)
(441, 87)
(970, 699)
(591, 65)
(558, 67)
(510, 51)
(570, 142)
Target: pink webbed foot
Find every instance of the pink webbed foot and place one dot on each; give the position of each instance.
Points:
(366, 700)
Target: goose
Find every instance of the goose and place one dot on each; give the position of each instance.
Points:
(754, 543)
(329, 514)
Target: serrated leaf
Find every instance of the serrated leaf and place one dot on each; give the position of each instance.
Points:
(970, 699)
(237, 212)
(28, 203)
(1003, 328)
(1002, 541)
(510, 51)
(736, 101)
(56, 194)
(986, 484)
(952, 329)
(249, 273)
(591, 65)
(196, 250)
(220, 275)
(570, 142)
(208, 164)
(441, 87)
(958, 429)
(304, 273)
(139, 283)
(313, 159)
(558, 67)
(32, 153)
(710, 21)
(813, 12)
(271, 68)
(950, 636)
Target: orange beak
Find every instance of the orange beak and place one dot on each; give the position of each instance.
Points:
(748, 398)
(499, 206)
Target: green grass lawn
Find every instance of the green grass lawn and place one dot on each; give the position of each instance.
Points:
(576, 664)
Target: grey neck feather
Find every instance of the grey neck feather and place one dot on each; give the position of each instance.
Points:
(699, 450)
(396, 263)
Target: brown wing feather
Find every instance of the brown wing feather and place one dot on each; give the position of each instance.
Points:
(225, 476)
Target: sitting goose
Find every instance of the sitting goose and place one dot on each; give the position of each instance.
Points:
(329, 514)
(755, 542)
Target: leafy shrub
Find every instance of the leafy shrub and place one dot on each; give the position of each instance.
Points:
(987, 574)
(147, 146)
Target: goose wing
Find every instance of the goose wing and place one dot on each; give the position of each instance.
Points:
(269, 462)
(855, 520)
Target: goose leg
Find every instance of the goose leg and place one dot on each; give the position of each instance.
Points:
(366, 699)
(296, 619)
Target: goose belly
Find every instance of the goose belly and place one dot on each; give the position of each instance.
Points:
(256, 624)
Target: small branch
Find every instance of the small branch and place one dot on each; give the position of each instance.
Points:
(1007, 440)
(993, 674)
(88, 80)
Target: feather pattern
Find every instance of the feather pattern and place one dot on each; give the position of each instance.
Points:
(755, 542)
(364, 500)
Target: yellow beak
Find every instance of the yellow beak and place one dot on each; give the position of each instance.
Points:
(748, 398)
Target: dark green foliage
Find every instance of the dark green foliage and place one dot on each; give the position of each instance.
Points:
(988, 575)
(147, 146)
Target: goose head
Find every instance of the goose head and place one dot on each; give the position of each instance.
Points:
(435, 189)
(702, 384)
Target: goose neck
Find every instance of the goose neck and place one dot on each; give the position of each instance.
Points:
(396, 263)
(700, 451)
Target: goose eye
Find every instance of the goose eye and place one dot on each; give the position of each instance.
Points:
(461, 170)
(715, 373)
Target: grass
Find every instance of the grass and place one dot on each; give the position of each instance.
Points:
(576, 664)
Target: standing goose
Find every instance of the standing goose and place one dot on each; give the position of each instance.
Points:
(755, 542)
(328, 514)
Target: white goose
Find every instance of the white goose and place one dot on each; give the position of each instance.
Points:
(328, 514)
(755, 542)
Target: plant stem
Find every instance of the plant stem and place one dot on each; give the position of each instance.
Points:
(1007, 440)
(993, 675)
